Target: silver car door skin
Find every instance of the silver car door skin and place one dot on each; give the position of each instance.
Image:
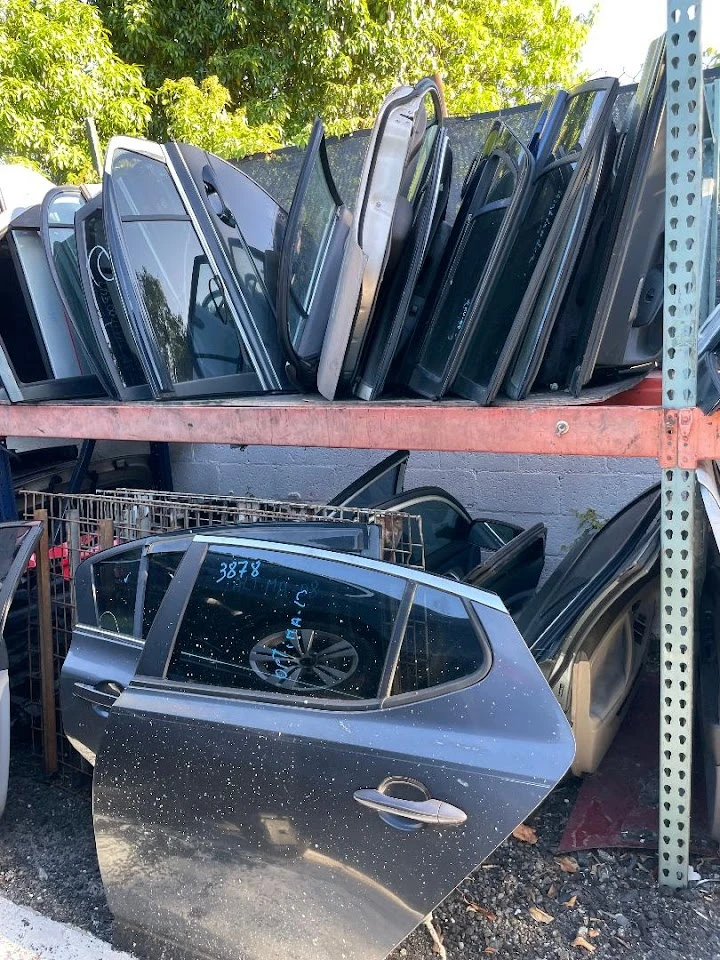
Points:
(276, 826)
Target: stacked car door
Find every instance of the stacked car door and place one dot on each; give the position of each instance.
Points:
(315, 749)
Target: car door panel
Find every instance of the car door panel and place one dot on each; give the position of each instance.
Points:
(17, 542)
(229, 823)
(513, 570)
(95, 662)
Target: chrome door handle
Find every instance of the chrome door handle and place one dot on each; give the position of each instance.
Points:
(421, 811)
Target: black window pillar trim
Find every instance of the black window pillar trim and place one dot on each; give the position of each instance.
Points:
(161, 637)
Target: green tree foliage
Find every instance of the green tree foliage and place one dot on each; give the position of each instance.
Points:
(200, 114)
(57, 67)
(283, 61)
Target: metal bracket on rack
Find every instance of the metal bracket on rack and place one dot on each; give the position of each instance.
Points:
(679, 439)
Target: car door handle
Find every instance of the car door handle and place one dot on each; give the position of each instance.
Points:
(101, 695)
(421, 811)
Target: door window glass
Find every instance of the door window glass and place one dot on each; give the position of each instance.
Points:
(441, 644)
(144, 186)
(62, 209)
(263, 227)
(184, 300)
(161, 569)
(442, 525)
(314, 230)
(115, 582)
(284, 624)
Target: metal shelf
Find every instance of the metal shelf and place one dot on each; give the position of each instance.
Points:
(656, 419)
(631, 425)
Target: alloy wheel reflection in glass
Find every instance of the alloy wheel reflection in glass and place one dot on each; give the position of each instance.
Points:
(304, 660)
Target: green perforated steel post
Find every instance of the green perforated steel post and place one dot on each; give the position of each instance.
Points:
(683, 199)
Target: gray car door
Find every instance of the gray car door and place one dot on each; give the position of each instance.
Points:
(315, 750)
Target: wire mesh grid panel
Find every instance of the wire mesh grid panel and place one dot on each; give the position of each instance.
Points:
(80, 526)
(683, 200)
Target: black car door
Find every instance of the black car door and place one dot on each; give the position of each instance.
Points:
(493, 205)
(513, 570)
(380, 483)
(315, 749)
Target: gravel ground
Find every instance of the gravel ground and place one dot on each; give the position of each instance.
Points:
(611, 901)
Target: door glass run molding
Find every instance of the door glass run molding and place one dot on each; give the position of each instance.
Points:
(682, 252)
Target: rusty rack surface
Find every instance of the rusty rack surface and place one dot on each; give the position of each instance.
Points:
(632, 424)
(78, 526)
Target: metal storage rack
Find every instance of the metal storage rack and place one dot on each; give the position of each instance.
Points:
(657, 419)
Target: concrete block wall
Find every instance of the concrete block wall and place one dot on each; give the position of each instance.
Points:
(524, 489)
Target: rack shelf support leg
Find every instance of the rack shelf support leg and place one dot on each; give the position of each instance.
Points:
(683, 197)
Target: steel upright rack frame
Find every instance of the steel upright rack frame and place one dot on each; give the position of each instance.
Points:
(653, 420)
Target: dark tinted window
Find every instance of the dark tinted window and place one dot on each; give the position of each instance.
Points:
(115, 582)
(262, 222)
(582, 113)
(592, 557)
(285, 624)
(442, 525)
(108, 304)
(161, 569)
(184, 300)
(451, 314)
(441, 644)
